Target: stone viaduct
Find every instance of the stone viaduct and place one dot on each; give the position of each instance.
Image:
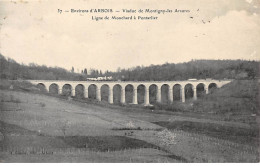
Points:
(194, 84)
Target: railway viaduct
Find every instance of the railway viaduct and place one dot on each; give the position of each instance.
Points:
(194, 85)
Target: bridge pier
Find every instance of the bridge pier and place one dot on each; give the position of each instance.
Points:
(158, 96)
(183, 94)
(73, 92)
(146, 96)
(122, 95)
(170, 95)
(98, 94)
(110, 95)
(207, 89)
(85, 93)
(135, 96)
(194, 93)
(47, 88)
(60, 91)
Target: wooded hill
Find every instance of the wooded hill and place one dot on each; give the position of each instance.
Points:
(199, 69)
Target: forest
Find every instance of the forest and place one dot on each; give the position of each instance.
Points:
(194, 69)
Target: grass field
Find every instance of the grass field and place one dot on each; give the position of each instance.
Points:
(38, 127)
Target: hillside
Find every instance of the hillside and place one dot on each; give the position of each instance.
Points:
(236, 101)
(10, 69)
(200, 69)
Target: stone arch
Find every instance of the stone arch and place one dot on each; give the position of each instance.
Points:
(153, 90)
(140, 93)
(165, 93)
(66, 90)
(117, 93)
(92, 91)
(129, 93)
(176, 90)
(188, 90)
(79, 91)
(54, 88)
(42, 87)
(104, 90)
(212, 87)
(200, 88)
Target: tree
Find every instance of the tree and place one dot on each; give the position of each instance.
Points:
(72, 69)
(118, 69)
(92, 72)
(85, 71)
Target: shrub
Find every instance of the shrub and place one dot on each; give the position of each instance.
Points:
(42, 104)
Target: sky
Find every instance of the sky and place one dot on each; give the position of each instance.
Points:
(34, 32)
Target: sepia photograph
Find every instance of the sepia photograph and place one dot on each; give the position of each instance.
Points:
(129, 81)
